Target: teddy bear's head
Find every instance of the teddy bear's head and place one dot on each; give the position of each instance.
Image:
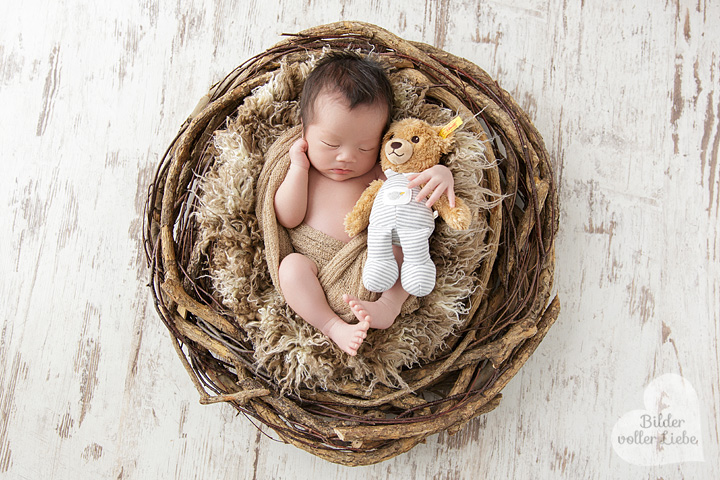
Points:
(413, 145)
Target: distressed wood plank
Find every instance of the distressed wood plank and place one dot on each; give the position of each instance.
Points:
(627, 97)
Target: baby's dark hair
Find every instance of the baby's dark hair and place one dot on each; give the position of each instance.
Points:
(360, 80)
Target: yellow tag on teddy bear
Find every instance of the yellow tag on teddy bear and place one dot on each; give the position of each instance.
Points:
(453, 125)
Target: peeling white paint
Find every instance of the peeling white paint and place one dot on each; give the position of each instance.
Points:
(626, 95)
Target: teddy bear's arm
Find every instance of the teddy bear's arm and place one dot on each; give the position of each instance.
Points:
(359, 217)
(459, 217)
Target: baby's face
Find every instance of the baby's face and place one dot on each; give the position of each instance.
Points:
(344, 143)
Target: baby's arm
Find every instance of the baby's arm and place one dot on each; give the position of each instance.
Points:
(292, 195)
(438, 180)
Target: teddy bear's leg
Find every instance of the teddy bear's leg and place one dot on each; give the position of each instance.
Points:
(381, 270)
(417, 273)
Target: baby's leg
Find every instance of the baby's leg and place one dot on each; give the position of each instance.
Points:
(302, 291)
(382, 312)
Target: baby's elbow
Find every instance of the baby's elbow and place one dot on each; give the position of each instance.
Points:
(290, 224)
(289, 219)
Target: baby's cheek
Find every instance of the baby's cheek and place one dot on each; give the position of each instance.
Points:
(312, 155)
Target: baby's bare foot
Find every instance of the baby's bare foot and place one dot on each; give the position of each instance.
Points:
(380, 314)
(348, 337)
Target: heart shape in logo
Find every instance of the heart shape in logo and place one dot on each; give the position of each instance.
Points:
(667, 430)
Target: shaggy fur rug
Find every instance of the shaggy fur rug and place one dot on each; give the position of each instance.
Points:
(231, 245)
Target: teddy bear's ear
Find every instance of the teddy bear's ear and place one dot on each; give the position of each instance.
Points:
(446, 144)
(390, 133)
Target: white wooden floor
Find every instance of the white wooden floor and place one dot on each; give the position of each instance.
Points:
(627, 96)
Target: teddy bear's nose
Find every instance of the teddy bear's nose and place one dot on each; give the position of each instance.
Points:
(396, 145)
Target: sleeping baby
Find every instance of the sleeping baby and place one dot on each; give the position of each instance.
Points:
(345, 107)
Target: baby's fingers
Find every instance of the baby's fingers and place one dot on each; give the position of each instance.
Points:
(300, 146)
(417, 179)
(433, 194)
(451, 196)
(436, 194)
(426, 191)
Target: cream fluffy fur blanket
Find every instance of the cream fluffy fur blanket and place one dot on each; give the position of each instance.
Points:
(232, 247)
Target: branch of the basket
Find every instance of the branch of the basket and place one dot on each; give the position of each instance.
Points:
(241, 397)
(477, 406)
(430, 375)
(498, 351)
(175, 291)
(188, 367)
(199, 107)
(526, 224)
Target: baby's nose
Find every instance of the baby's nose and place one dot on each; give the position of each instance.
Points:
(344, 156)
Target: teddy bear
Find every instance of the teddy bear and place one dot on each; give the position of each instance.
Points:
(392, 215)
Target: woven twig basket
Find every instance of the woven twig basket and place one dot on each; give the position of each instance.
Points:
(507, 318)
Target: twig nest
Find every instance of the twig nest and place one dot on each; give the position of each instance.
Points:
(448, 356)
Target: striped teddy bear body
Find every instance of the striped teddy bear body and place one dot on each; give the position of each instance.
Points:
(397, 218)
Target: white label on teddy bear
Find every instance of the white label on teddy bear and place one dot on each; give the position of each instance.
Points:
(398, 196)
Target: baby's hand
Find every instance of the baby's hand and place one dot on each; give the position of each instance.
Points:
(298, 154)
(438, 180)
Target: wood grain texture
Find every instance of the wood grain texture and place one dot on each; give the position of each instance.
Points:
(627, 96)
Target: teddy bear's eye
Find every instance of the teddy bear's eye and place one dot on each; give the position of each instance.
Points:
(415, 139)
(392, 135)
